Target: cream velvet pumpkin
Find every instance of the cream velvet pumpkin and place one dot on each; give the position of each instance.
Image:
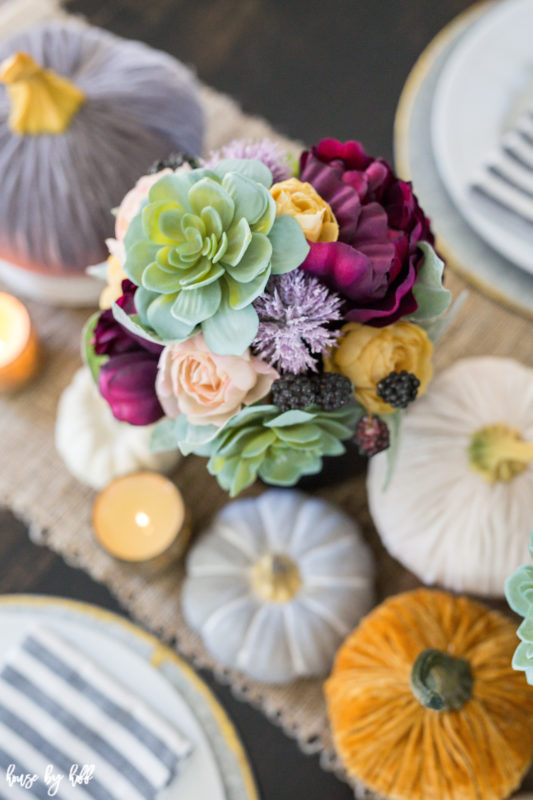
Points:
(459, 508)
(276, 583)
(95, 447)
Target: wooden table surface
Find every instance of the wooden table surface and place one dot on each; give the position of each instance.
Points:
(312, 68)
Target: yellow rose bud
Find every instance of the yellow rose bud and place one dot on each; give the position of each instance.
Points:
(366, 355)
(113, 290)
(301, 201)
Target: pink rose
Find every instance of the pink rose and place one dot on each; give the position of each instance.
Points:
(209, 388)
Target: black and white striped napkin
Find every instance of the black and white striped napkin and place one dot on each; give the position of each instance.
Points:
(505, 182)
(60, 713)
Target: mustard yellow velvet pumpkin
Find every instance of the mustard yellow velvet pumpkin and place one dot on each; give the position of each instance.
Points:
(424, 704)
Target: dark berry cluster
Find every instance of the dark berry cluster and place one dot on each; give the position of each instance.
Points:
(173, 161)
(399, 388)
(329, 391)
(371, 435)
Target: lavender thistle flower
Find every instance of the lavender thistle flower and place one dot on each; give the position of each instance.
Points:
(294, 313)
(266, 150)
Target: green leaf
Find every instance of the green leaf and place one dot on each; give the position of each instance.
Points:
(164, 436)
(432, 298)
(194, 306)
(99, 271)
(255, 259)
(523, 656)
(519, 590)
(394, 424)
(162, 321)
(282, 468)
(264, 224)
(303, 433)
(195, 439)
(525, 630)
(250, 167)
(139, 256)
(93, 361)
(134, 325)
(239, 237)
(208, 193)
(289, 246)
(242, 294)
(230, 331)
(294, 417)
(250, 197)
(159, 280)
(436, 328)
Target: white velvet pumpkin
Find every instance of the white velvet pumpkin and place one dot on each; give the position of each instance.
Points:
(276, 583)
(95, 447)
(440, 517)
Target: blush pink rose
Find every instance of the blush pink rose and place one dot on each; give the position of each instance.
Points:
(209, 388)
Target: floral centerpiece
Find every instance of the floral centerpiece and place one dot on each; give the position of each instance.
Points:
(266, 311)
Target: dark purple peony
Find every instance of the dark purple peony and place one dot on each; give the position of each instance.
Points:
(127, 380)
(374, 263)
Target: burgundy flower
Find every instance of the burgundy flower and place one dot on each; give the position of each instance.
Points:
(127, 383)
(127, 380)
(374, 263)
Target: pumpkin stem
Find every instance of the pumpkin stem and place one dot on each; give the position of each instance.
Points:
(41, 100)
(441, 682)
(276, 578)
(499, 453)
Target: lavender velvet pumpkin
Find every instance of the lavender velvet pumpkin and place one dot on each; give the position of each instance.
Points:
(57, 189)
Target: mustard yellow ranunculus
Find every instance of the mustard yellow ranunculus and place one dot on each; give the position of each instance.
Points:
(302, 201)
(366, 355)
(113, 290)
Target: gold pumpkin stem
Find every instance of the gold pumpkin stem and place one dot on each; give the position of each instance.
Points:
(499, 453)
(41, 101)
(441, 682)
(276, 578)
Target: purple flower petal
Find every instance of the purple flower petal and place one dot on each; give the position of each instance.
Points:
(127, 383)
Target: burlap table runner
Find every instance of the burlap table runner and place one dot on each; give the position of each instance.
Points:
(35, 485)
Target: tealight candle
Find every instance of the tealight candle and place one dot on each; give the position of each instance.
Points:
(141, 517)
(18, 344)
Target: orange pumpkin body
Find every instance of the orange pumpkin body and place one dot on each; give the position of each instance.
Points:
(404, 751)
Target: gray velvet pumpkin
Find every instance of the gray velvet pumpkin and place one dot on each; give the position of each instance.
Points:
(57, 189)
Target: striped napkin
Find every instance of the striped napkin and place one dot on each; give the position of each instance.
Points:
(505, 182)
(61, 715)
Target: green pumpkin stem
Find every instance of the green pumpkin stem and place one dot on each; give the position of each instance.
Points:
(441, 682)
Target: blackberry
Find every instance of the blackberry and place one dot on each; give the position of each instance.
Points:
(173, 161)
(294, 391)
(399, 388)
(333, 391)
(371, 435)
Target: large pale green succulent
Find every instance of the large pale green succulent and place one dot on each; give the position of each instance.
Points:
(202, 249)
(279, 448)
(519, 594)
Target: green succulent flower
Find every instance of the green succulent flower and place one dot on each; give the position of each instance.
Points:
(519, 594)
(202, 249)
(279, 448)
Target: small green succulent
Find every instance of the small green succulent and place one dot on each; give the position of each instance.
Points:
(279, 448)
(203, 247)
(519, 594)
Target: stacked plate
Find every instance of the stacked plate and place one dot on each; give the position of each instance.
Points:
(218, 768)
(464, 136)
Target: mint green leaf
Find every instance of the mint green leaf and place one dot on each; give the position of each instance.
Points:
(289, 246)
(239, 237)
(162, 321)
(250, 167)
(93, 361)
(194, 438)
(525, 630)
(139, 256)
(432, 298)
(250, 197)
(264, 224)
(523, 656)
(305, 433)
(294, 417)
(242, 294)
(255, 259)
(208, 192)
(163, 436)
(159, 280)
(230, 331)
(98, 271)
(193, 307)
(519, 590)
(135, 325)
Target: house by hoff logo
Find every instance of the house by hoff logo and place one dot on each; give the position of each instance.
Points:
(79, 775)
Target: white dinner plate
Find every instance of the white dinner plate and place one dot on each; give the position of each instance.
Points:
(218, 768)
(482, 89)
